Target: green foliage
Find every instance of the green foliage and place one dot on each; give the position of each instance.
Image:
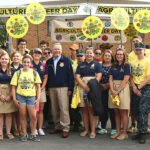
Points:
(3, 33)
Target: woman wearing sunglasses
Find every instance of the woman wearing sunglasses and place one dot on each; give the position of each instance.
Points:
(97, 55)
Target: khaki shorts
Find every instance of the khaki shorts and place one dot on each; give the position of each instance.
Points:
(43, 96)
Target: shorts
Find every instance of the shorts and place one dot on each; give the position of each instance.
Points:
(43, 96)
(26, 100)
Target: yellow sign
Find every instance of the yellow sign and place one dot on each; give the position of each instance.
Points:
(62, 10)
(129, 10)
(92, 27)
(35, 13)
(17, 26)
(130, 32)
(141, 21)
(49, 11)
(120, 18)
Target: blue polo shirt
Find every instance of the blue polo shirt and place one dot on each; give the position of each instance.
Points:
(13, 69)
(4, 78)
(64, 73)
(86, 69)
(40, 69)
(118, 72)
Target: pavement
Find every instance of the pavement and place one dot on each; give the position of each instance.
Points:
(74, 142)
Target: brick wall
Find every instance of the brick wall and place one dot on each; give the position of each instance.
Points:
(32, 41)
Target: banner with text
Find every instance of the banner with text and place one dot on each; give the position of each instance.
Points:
(70, 31)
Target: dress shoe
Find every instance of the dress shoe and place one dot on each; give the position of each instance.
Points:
(65, 134)
(142, 138)
(54, 131)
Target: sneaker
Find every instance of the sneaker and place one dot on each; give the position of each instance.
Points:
(99, 125)
(36, 132)
(34, 138)
(102, 131)
(113, 131)
(41, 132)
(24, 138)
(136, 137)
(142, 139)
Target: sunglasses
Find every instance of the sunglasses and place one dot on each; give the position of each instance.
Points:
(47, 53)
(80, 56)
(89, 47)
(97, 53)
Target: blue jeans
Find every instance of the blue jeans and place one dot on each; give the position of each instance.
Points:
(26, 100)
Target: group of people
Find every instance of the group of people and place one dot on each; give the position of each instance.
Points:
(29, 75)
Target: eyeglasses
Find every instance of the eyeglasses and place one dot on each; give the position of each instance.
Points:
(47, 53)
(22, 44)
(97, 53)
(79, 55)
(119, 54)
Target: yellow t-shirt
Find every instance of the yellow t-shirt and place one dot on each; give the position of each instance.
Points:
(140, 70)
(25, 82)
(132, 56)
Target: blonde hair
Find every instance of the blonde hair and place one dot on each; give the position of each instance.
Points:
(8, 65)
(12, 55)
(110, 52)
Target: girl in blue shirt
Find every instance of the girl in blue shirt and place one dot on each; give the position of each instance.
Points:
(118, 80)
(85, 71)
(7, 106)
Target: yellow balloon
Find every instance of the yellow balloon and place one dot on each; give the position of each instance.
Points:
(92, 27)
(130, 32)
(35, 13)
(17, 26)
(141, 21)
(120, 18)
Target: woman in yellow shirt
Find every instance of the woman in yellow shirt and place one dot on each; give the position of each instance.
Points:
(26, 95)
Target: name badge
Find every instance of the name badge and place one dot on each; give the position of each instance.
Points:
(41, 68)
(61, 64)
(92, 66)
(82, 67)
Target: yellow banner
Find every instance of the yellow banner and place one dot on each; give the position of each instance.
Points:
(49, 11)
(129, 10)
(63, 10)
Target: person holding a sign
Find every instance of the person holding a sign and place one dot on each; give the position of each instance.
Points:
(119, 86)
(87, 70)
(140, 81)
